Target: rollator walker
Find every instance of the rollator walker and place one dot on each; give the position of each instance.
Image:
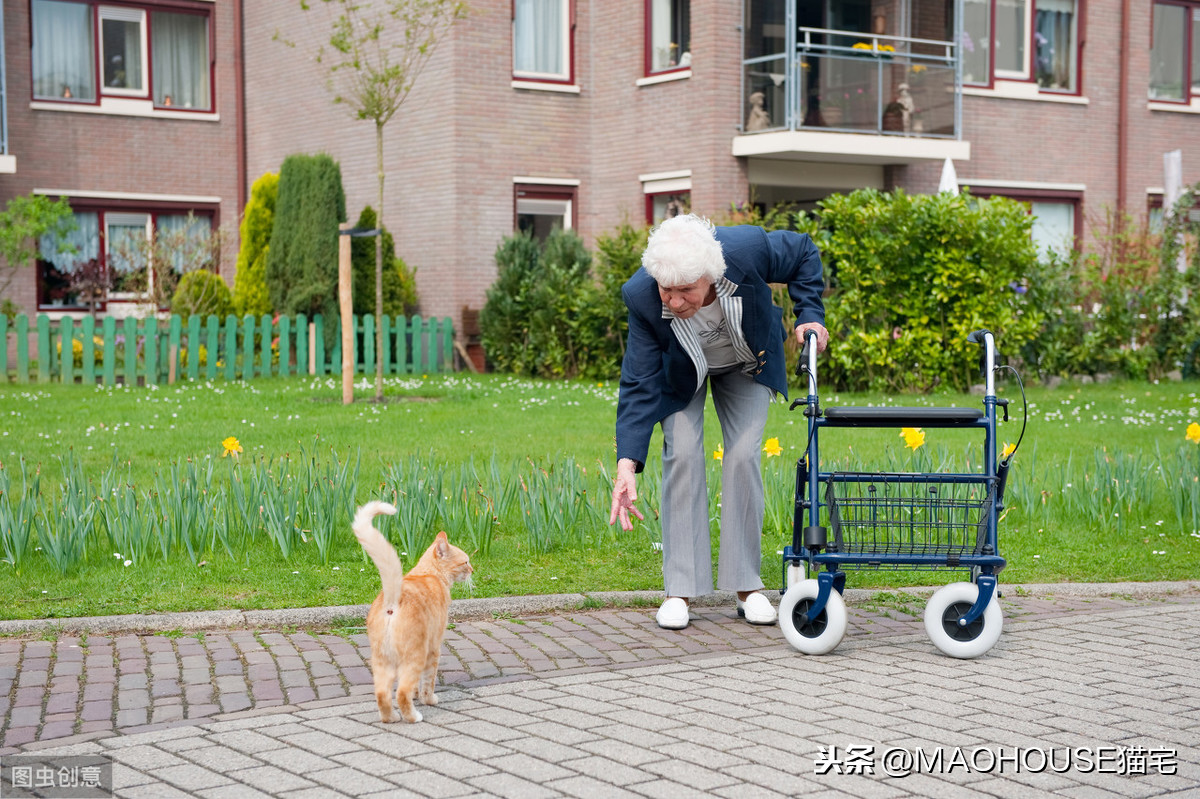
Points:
(896, 520)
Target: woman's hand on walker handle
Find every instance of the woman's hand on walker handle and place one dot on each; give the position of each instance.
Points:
(624, 495)
(816, 327)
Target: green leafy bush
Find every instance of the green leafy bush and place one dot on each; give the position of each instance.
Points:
(619, 255)
(250, 295)
(541, 317)
(911, 275)
(399, 283)
(302, 261)
(201, 292)
(1124, 306)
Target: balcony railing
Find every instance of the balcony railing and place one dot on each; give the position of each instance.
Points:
(855, 83)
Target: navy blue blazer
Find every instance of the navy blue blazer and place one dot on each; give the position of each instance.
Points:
(658, 377)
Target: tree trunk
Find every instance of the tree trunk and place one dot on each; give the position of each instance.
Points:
(379, 269)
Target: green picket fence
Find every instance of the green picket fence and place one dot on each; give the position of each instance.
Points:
(152, 351)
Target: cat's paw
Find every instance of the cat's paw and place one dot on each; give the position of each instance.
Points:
(430, 699)
(415, 717)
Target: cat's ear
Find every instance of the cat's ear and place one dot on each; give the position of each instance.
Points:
(441, 544)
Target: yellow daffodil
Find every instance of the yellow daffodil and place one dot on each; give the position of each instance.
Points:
(232, 447)
(1008, 450)
(1193, 432)
(914, 437)
(772, 448)
(719, 453)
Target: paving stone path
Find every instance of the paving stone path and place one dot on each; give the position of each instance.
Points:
(601, 702)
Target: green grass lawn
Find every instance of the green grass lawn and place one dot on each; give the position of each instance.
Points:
(1099, 490)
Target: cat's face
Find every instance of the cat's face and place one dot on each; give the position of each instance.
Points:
(451, 560)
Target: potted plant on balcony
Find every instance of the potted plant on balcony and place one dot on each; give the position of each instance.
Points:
(875, 49)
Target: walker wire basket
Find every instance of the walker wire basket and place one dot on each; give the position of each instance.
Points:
(904, 520)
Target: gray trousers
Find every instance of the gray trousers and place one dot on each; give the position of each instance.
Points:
(742, 406)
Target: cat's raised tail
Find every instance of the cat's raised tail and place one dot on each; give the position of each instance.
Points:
(391, 573)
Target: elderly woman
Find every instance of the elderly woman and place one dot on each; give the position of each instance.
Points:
(700, 314)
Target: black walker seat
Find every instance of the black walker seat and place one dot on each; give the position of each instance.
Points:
(893, 416)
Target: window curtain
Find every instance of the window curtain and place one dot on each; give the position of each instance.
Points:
(183, 238)
(538, 37)
(63, 51)
(660, 35)
(179, 43)
(1166, 53)
(126, 242)
(82, 244)
(1054, 40)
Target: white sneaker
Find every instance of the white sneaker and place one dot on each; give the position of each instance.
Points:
(673, 614)
(757, 609)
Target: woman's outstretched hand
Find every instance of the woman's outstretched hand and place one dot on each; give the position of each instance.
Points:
(624, 495)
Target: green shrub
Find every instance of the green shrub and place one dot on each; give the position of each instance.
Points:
(302, 262)
(911, 275)
(201, 292)
(1123, 307)
(619, 255)
(541, 317)
(250, 296)
(399, 283)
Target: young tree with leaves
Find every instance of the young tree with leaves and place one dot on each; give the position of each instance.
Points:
(375, 52)
(23, 222)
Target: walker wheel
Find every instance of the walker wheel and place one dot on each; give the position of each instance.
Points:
(812, 636)
(943, 611)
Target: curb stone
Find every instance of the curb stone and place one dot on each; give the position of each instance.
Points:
(500, 607)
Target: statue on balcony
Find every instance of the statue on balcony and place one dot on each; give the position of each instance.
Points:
(906, 105)
(758, 119)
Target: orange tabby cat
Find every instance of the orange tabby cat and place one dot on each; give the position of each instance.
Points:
(406, 622)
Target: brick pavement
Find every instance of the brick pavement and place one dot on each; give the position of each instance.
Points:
(603, 703)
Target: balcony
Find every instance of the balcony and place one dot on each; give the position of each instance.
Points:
(816, 100)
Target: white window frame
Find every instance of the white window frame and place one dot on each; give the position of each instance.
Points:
(565, 73)
(128, 219)
(125, 14)
(1026, 38)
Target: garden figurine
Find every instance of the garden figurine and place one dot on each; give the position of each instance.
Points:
(701, 315)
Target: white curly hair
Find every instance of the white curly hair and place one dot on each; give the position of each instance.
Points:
(682, 250)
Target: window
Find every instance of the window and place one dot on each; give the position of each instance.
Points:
(541, 208)
(1053, 227)
(123, 51)
(542, 40)
(1175, 35)
(665, 206)
(668, 45)
(1022, 40)
(123, 255)
(1054, 37)
(141, 53)
(1057, 222)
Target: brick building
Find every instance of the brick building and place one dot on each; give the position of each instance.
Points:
(588, 113)
(129, 110)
